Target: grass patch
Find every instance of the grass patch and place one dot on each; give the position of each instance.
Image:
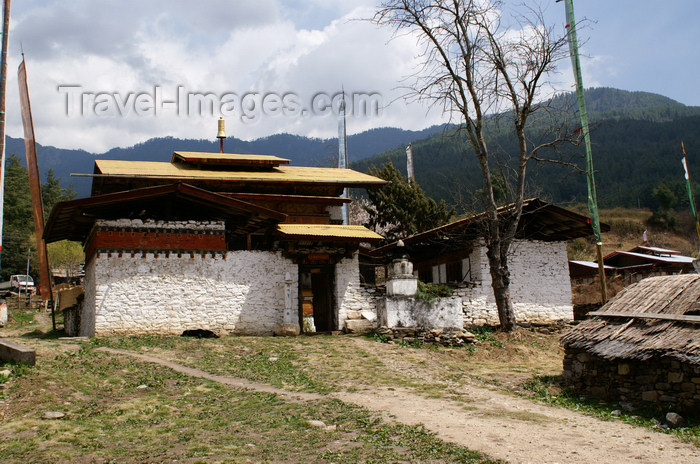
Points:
(486, 334)
(121, 410)
(275, 361)
(429, 292)
(550, 390)
(323, 364)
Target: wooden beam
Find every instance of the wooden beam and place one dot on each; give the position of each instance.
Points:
(664, 317)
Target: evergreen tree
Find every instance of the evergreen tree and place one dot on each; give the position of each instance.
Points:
(18, 227)
(18, 223)
(401, 208)
(52, 193)
(666, 200)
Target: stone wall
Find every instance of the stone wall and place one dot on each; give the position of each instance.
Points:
(422, 336)
(239, 292)
(402, 311)
(350, 295)
(162, 225)
(540, 288)
(88, 308)
(659, 381)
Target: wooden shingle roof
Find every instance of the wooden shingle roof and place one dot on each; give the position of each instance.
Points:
(656, 317)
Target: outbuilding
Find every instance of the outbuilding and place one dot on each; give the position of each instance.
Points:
(642, 347)
(455, 254)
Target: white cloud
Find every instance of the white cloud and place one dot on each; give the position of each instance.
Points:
(219, 46)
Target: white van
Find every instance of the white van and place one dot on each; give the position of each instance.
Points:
(22, 282)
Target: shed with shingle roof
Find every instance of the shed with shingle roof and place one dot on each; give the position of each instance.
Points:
(643, 346)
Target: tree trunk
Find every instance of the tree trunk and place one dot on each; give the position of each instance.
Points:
(500, 282)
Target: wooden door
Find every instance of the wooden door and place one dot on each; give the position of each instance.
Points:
(321, 286)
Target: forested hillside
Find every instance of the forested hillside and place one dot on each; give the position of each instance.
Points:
(636, 140)
(302, 151)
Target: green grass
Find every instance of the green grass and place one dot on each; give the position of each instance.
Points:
(486, 334)
(276, 363)
(111, 417)
(20, 317)
(550, 390)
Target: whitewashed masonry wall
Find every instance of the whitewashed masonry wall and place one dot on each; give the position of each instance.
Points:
(349, 294)
(540, 288)
(239, 292)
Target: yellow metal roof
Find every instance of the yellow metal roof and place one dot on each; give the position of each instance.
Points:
(329, 231)
(160, 170)
(227, 159)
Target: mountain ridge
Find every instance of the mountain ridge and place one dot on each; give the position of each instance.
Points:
(608, 107)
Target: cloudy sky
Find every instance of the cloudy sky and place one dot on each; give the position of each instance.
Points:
(106, 73)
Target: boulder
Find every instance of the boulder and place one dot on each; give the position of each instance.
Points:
(674, 420)
(358, 326)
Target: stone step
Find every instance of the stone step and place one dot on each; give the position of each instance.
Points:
(16, 353)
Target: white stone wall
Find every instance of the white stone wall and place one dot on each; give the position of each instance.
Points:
(540, 288)
(87, 309)
(444, 313)
(349, 294)
(238, 292)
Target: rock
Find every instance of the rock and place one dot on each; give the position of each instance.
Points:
(358, 326)
(287, 330)
(674, 420)
(272, 358)
(5, 373)
(353, 315)
(142, 387)
(616, 413)
(331, 428)
(50, 415)
(626, 406)
(369, 315)
(316, 423)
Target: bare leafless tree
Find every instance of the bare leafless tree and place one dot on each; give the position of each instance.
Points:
(477, 61)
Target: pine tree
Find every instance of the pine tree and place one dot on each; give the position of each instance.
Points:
(401, 208)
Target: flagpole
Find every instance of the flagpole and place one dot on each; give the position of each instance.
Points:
(343, 153)
(3, 84)
(35, 187)
(690, 192)
(409, 163)
(592, 200)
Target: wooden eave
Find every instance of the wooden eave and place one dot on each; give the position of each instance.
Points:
(74, 219)
(230, 160)
(114, 175)
(333, 201)
(539, 221)
(327, 233)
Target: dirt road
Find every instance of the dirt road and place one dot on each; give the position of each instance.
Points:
(503, 426)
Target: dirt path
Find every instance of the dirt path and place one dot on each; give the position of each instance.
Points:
(502, 426)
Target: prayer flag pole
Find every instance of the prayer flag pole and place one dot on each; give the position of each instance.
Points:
(592, 200)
